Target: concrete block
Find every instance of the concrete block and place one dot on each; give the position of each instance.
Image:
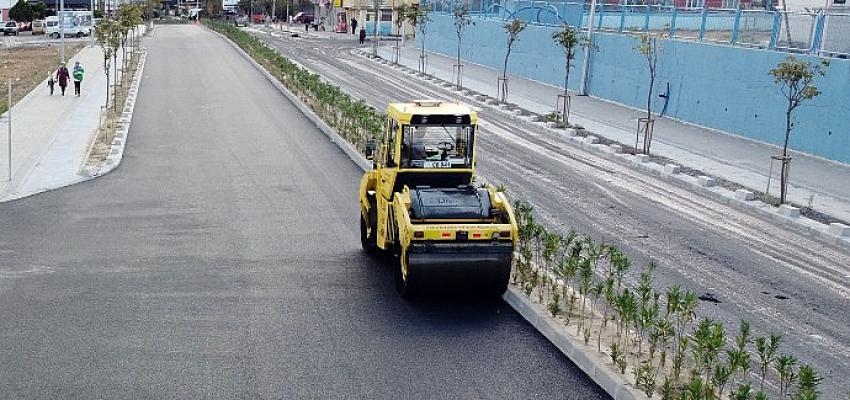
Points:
(744, 195)
(518, 112)
(615, 148)
(591, 140)
(641, 158)
(839, 229)
(570, 132)
(551, 124)
(789, 211)
(706, 181)
(532, 118)
(672, 169)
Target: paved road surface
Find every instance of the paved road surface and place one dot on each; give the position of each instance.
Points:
(780, 281)
(221, 260)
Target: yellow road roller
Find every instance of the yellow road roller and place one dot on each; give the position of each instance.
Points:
(419, 203)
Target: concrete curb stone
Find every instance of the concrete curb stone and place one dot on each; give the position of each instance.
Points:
(584, 357)
(116, 151)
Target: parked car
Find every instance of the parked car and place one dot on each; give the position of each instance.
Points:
(38, 27)
(241, 21)
(10, 28)
(303, 18)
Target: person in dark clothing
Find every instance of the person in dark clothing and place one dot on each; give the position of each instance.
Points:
(362, 35)
(353, 26)
(62, 76)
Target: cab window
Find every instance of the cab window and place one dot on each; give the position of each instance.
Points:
(392, 127)
(437, 146)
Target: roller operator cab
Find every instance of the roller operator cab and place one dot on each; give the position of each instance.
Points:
(419, 203)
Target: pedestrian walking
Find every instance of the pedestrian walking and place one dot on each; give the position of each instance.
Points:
(353, 26)
(62, 76)
(50, 82)
(362, 35)
(78, 77)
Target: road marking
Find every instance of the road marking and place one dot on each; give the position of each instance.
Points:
(7, 272)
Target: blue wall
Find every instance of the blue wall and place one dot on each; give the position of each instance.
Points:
(716, 86)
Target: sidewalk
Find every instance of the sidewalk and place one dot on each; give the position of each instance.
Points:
(51, 135)
(740, 160)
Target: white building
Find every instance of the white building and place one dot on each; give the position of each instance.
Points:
(5, 5)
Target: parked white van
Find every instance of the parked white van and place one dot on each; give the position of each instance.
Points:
(77, 24)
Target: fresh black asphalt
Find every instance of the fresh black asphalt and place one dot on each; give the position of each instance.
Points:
(221, 261)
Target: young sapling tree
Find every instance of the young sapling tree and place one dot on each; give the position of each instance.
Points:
(512, 29)
(462, 20)
(417, 16)
(568, 38)
(649, 47)
(796, 82)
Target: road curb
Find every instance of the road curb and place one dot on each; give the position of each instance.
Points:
(583, 356)
(119, 141)
(800, 224)
(588, 360)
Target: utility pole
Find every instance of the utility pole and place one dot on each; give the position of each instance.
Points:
(274, 3)
(91, 24)
(62, 30)
(586, 62)
(375, 33)
(9, 114)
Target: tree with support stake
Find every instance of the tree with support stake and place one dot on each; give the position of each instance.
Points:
(401, 15)
(795, 78)
(109, 38)
(513, 30)
(650, 49)
(462, 20)
(568, 38)
(417, 16)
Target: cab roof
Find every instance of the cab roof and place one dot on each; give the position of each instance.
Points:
(428, 107)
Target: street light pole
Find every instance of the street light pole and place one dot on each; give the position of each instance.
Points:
(9, 114)
(586, 61)
(62, 30)
(375, 33)
(91, 27)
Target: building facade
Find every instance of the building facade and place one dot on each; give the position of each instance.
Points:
(364, 11)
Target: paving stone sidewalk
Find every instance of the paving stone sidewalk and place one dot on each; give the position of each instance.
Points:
(51, 134)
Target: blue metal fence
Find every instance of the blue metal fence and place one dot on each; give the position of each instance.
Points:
(825, 34)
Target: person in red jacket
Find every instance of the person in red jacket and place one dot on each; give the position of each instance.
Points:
(62, 76)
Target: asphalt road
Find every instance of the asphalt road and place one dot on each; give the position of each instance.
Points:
(780, 281)
(221, 260)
